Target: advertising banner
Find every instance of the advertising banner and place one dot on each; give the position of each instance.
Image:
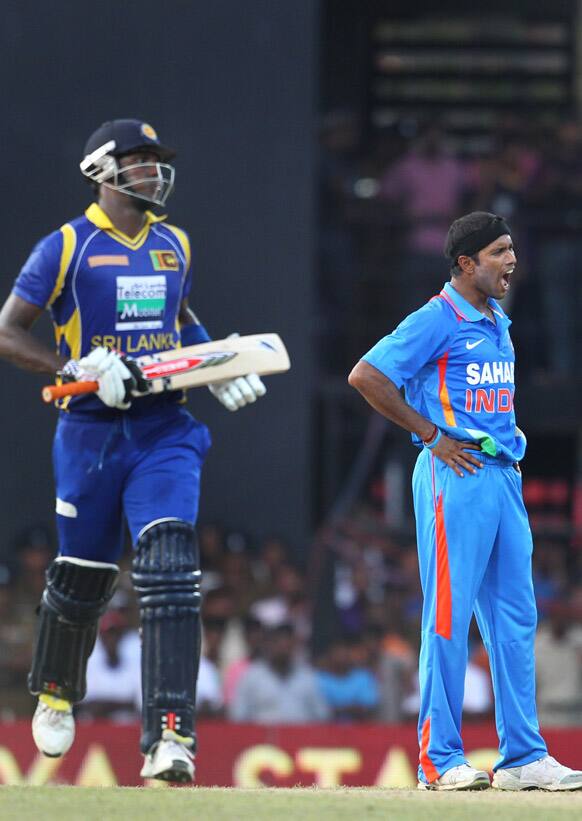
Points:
(245, 755)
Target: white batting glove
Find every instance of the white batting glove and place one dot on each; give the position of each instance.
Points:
(114, 377)
(236, 393)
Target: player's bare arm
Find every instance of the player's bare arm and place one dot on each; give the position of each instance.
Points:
(18, 345)
(383, 395)
(186, 315)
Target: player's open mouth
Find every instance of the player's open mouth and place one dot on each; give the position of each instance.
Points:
(505, 279)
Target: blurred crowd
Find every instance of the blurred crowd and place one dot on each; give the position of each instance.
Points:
(387, 199)
(283, 643)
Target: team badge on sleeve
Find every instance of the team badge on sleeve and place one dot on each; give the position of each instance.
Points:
(165, 260)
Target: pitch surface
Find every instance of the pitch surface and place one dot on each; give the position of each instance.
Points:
(105, 803)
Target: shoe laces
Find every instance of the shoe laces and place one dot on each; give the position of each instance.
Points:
(550, 761)
(52, 716)
(181, 749)
(456, 773)
(172, 735)
(171, 741)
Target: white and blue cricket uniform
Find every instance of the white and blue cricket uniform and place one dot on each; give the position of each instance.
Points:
(474, 541)
(104, 288)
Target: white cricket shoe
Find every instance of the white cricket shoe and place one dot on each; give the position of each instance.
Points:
(53, 726)
(169, 759)
(544, 774)
(462, 777)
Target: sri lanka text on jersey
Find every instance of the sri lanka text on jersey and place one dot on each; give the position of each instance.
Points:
(136, 344)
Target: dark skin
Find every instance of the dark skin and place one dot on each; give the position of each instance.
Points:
(486, 275)
(17, 317)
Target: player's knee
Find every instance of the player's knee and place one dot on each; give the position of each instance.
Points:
(78, 590)
(166, 565)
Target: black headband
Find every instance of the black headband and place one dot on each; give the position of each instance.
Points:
(476, 240)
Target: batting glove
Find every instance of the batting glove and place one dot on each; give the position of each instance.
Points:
(109, 369)
(236, 393)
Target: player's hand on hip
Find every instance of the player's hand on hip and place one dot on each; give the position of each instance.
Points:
(236, 393)
(110, 370)
(454, 454)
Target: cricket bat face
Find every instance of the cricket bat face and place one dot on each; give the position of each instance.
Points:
(215, 361)
(196, 365)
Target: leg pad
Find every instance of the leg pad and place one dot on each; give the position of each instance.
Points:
(166, 576)
(77, 593)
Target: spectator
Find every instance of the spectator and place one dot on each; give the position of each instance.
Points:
(218, 607)
(114, 672)
(393, 673)
(559, 668)
(15, 649)
(238, 577)
(34, 550)
(557, 195)
(273, 553)
(254, 635)
(426, 185)
(279, 689)
(209, 698)
(289, 602)
(550, 577)
(351, 691)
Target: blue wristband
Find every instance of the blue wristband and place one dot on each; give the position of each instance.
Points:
(193, 334)
(437, 437)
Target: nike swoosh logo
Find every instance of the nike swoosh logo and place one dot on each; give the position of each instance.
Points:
(471, 345)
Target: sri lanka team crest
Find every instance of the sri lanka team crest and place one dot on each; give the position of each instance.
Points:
(148, 131)
(165, 260)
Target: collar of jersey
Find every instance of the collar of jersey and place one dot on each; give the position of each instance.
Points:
(465, 310)
(99, 218)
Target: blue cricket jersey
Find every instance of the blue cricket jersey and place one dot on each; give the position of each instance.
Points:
(105, 288)
(457, 369)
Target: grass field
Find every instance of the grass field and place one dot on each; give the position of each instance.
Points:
(128, 803)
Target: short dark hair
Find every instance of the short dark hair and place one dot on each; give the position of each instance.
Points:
(461, 228)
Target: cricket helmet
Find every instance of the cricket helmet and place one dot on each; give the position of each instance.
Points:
(116, 138)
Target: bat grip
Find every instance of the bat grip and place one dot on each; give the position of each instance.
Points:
(52, 392)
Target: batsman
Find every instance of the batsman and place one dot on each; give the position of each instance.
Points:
(116, 281)
(455, 360)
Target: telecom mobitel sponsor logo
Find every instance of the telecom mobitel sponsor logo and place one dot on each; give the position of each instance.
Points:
(140, 303)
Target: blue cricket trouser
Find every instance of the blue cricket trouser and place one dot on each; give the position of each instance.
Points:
(474, 548)
(142, 467)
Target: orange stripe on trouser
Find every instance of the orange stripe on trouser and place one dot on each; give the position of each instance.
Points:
(443, 582)
(428, 767)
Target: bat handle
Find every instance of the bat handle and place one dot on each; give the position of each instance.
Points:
(52, 392)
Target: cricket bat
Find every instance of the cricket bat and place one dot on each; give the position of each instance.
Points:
(196, 365)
